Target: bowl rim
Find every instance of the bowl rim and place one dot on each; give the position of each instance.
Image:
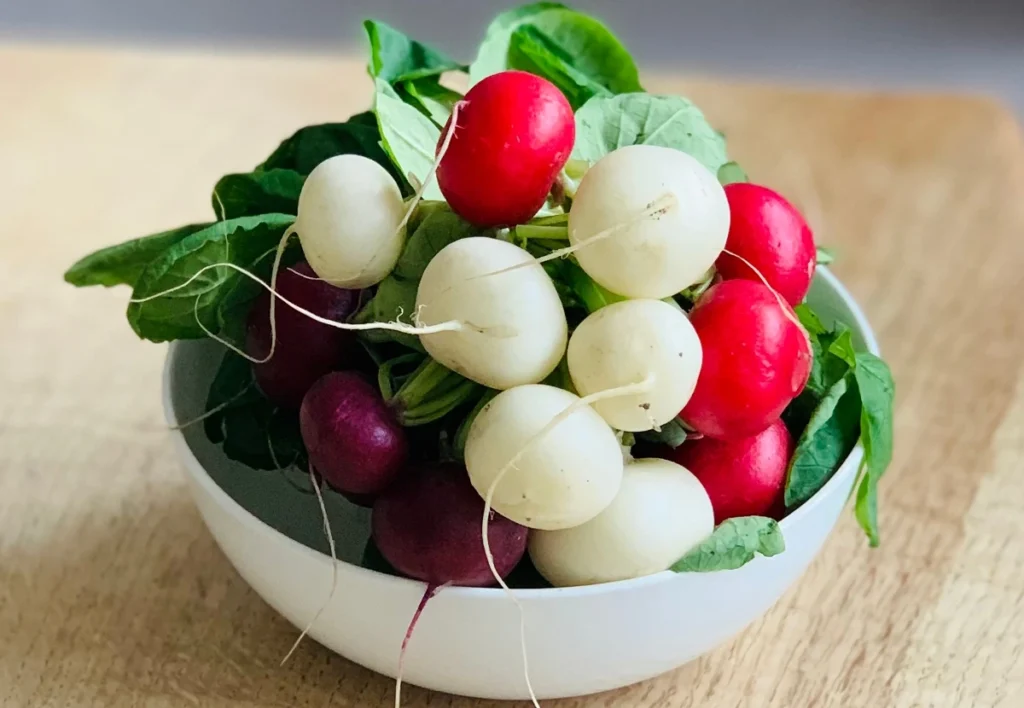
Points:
(201, 477)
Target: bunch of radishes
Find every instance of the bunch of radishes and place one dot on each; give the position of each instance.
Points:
(504, 348)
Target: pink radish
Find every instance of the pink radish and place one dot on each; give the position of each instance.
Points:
(353, 438)
(756, 359)
(513, 135)
(745, 477)
(772, 236)
(306, 349)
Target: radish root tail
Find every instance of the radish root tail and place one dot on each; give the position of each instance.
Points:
(628, 390)
(787, 311)
(427, 595)
(334, 567)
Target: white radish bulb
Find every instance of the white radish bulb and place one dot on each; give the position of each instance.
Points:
(349, 221)
(660, 513)
(645, 255)
(514, 329)
(631, 341)
(562, 478)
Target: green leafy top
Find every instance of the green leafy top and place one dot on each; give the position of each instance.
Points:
(396, 57)
(734, 543)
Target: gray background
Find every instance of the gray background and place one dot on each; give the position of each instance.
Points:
(975, 46)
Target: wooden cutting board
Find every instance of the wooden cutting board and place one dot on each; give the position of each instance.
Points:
(113, 594)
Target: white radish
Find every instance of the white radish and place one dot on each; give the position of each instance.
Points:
(551, 479)
(515, 329)
(657, 256)
(351, 221)
(660, 513)
(630, 341)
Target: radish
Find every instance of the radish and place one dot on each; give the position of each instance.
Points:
(745, 477)
(660, 513)
(427, 526)
(351, 435)
(757, 359)
(351, 221)
(511, 139)
(306, 349)
(648, 221)
(514, 328)
(628, 341)
(770, 234)
(554, 477)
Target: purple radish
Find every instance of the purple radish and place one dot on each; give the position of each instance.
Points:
(306, 349)
(427, 526)
(352, 436)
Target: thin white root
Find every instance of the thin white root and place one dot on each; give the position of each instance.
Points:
(787, 311)
(655, 209)
(452, 326)
(213, 411)
(628, 390)
(334, 567)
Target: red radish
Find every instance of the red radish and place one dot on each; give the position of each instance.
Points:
(306, 349)
(745, 477)
(513, 135)
(353, 438)
(769, 233)
(427, 526)
(757, 359)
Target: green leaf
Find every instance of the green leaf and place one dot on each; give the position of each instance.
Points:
(248, 242)
(431, 98)
(250, 428)
(437, 230)
(123, 263)
(733, 544)
(459, 446)
(826, 442)
(262, 192)
(571, 49)
(672, 433)
(810, 320)
(409, 137)
(396, 57)
(877, 394)
(825, 255)
(592, 295)
(730, 173)
(531, 50)
(311, 145)
(605, 124)
(493, 54)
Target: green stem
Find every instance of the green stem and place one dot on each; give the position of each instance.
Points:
(384, 378)
(551, 233)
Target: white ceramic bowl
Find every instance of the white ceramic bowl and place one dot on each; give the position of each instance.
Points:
(579, 640)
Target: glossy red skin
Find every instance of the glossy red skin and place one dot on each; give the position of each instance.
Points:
(306, 349)
(756, 360)
(353, 438)
(427, 526)
(513, 135)
(745, 477)
(768, 231)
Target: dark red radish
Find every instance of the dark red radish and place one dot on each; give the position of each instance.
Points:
(513, 134)
(771, 234)
(745, 477)
(352, 436)
(306, 349)
(757, 359)
(427, 526)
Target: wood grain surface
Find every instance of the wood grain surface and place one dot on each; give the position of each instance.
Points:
(113, 594)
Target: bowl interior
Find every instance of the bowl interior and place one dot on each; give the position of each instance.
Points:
(283, 499)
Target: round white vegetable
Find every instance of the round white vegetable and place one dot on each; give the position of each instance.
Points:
(515, 329)
(350, 210)
(564, 478)
(650, 256)
(660, 513)
(631, 341)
